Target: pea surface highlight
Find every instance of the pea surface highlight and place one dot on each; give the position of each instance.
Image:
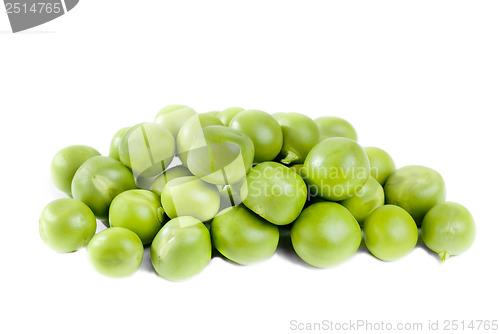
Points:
(390, 233)
(66, 225)
(181, 249)
(116, 252)
(242, 236)
(448, 229)
(325, 234)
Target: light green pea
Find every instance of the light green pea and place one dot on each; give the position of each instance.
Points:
(172, 117)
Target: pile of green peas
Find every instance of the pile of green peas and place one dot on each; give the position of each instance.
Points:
(189, 183)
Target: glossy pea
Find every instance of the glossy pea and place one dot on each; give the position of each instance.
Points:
(139, 211)
(390, 233)
(325, 234)
(381, 164)
(220, 155)
(116, 252)
(242, 236)
(98, 181)
(227, 115)
(66, 162)
(168, 175)
(274, 192)
(190, 196)
(336, 169)
(300, 134)
(264, 131)
(182, 249)
(191, 127)
(172, 117)
(416, 189)
(330, 126)
(114, 146)
(367, 199)
(448, 229)
(66, 225)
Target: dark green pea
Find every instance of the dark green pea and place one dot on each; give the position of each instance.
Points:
(330, 126)
(98, 181)
(274, 192)
(325, 234)
(242, 236)
(416, 189)
(264, 131)
(115, 143)
(66, 162)
(448, 229)
(66, 225)
(381, 164)
(300, 134)
(181, 249)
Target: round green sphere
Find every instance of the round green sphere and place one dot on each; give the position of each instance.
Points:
(168, 175)
(330, 126)
(114, 147)
(227, 115)
(362, 204)
(172, 117)
(381, 164)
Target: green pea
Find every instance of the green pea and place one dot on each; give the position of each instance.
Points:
(66, 162)
(138, 210)
(416, 189)
(390, 233)
(297, 168)
(212, 113)
(116, 252)
(274, 192)
(300, 134)
(370, 197)
(448, 229)
(242, 236)
(381, 164)
(220, 155)
(181, 249)
(147, 149)
(168, 175)
(227, 115)
(98, 181)
(330, 126)
(264, 131)
(191, 127)
(66, 225)
(190, 196)
(230, 195)
(172, 117)
(325, 234)
(336, 169)
(115, 143)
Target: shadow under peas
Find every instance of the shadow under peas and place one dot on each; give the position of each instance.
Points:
(146, 264)
(420, 244)
(285, 248)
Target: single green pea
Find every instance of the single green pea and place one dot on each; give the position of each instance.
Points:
(115, 143)
(416, 189)
(66, 162)
(66, 225)
(138, 210)
(242, 236)
(168, 175)
(336, 169)
(325, 234)
(390, 233)
(330, 126)
(116, 252)
(264, 131)
(220, 155)
(381, 164)
(191, 127)
(98, 181)
(181, 249)
(227, 115)
(362, 204)
(448, 229)
(172, 117)
(147, 149)
(300, 134)
(190, 196)
(274, 192)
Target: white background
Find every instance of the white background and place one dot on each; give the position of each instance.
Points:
(419, 79)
